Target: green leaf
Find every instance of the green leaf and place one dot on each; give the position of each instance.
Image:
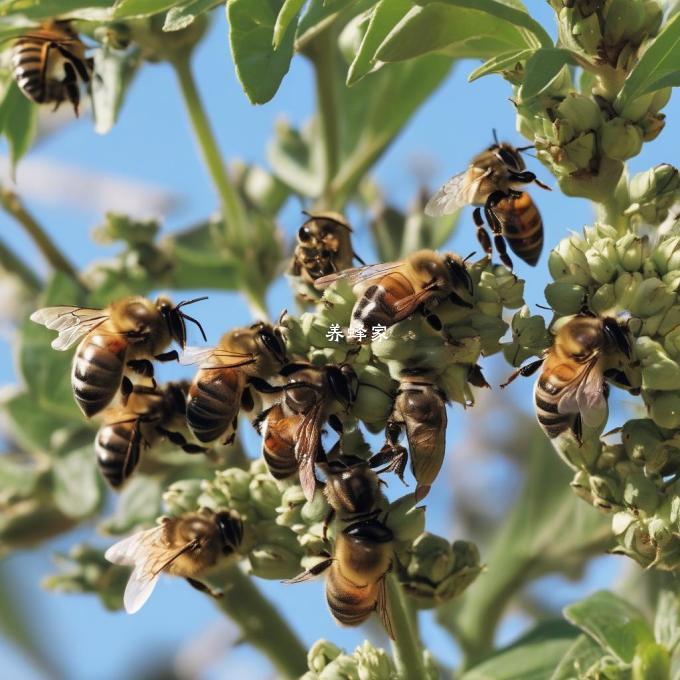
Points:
(501, 63)
(533, 657)
(47, 372)
(77, 484)
(46, 9)
(288, 12)
(138, 505)
(542, 68)
(124, 9)
(459, 32)
(114, 71)
(658, 67)
(18, 477)
(388, 233)
(667, 620)
(385, 16)
(320, 15)
(18, 122)
(651, 662)
(583, 654)
(183, 16)
(259, 67)
(612, 622)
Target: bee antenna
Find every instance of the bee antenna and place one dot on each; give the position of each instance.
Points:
(495, 136)
(467, 257)
(548, 309)
(526, 148)
(191, 318)
(184, 303)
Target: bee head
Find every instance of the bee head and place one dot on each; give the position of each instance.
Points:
(616, 336)
(272, 341)
(510, 156)
(230, 527)
(369, 531)
(343, 383)
(458, 272)
(176, 319)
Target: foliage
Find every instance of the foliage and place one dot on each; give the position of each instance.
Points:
(587, 102)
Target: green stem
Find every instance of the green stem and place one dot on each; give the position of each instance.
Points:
(12, 264)
(13, 206)
(262, 625)
(323, 54)
(232, 207)
(408, 653)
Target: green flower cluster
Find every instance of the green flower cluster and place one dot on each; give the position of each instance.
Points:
(635, 278)
(326, 661)
(584, 137)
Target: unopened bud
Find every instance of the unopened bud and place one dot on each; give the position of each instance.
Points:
(622, 20)
(603, 299)
(565, 298)
(621, 139)
(651, 126)
(374, 663)
(581, 111)
(182, 496)
(274, 562)
(321, 654)
(343, 667)
(650, 297)
(665, 409)
(640, 493)
(659, 371)
(405, 519)
(602, 259)
(265, 495)
(651, 660)
(625, 287)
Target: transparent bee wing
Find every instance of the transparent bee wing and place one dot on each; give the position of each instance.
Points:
(408, 304)
(585, 395)
(307, 447)
(383, 608)
(138, 590)
(358, 274)
(224, 358)
(196, 355)
(72, 323)
(134, 548)
(459, 191)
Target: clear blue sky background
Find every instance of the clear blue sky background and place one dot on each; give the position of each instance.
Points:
(152, 143)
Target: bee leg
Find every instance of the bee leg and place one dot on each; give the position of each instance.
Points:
(621, 379)
(167, 356)
(204, 588)
(126, 389)
(336, 424)
(70, 83)
(327, 523)
(476, 377)
(257, 422)
(524, 371)
(482, 235)
(527, 178)
(247, 401)
(394, 457)
(179, 440)
(577, 429)
(499, 242)
(141, 366)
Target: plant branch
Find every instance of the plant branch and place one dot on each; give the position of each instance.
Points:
(232, 207)
(14, 265)
(13, 206)
(322, 52)
(262, 625)
(408, 652)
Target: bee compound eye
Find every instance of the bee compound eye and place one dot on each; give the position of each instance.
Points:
(304, 234)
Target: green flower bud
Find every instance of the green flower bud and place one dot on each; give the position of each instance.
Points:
(660, 532)
(274, 562)
(375, 396)
(343, 667)
(666, 256)
(620, 139)
(565, 298)
(665, 409)
(431, 558)
(581, 151)
(651, 660)
(622, 19)
(632, 251)
(374, 663)
(653, 17)
(572, 253)
(621, 522)
(603, 299)
(265, 495)
(602, 259)
(321, 654)
(641, 437)
(651, 126)
(640, 493)
(659, 371)
(290, 510)
(585, 30)
(650, 297)
(606, 492)
(454, 382)
(625, 286)
(405, 520)
(660, 98)
(597, 186)
(182, 496)
(581, 486)
(635, 110)
(652, 193)
(581, 111)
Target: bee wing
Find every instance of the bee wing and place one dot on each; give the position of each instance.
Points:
(383, 608)
(585, 395)
(409, 303)
(456, 193)
(307, 447)
(133, 548)
(357, 274)
(225, 358)
(72, 323)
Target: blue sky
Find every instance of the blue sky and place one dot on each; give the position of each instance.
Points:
(152, 144)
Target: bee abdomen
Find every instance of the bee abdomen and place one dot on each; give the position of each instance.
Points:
(211, 410)
(97, 373)
(349, 608)
(27, 63)
(524, 229)
(117, 448)
(552, 422)
(280, 466)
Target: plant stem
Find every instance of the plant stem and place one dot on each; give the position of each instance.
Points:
(232, 207)
(262, 625)
(323, 55)
(408, 653)
(11, 263)
(13, 206)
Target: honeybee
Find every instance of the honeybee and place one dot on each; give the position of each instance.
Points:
(387, 293)
(187, 546)
(324, 246)
(352, 487)
(149, 415)
(126, 334)
(493, 183)
(355, 579)
(420, 409)
(49, 64)
(220, 387)
(291, 429)
(571, 390)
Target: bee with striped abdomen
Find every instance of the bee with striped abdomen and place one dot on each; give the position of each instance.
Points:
(49, 64)
(387, 293)
(125, 335)
(493, 183)
(571, 390)
(188, 546)
(220, 388)
(148, 416)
